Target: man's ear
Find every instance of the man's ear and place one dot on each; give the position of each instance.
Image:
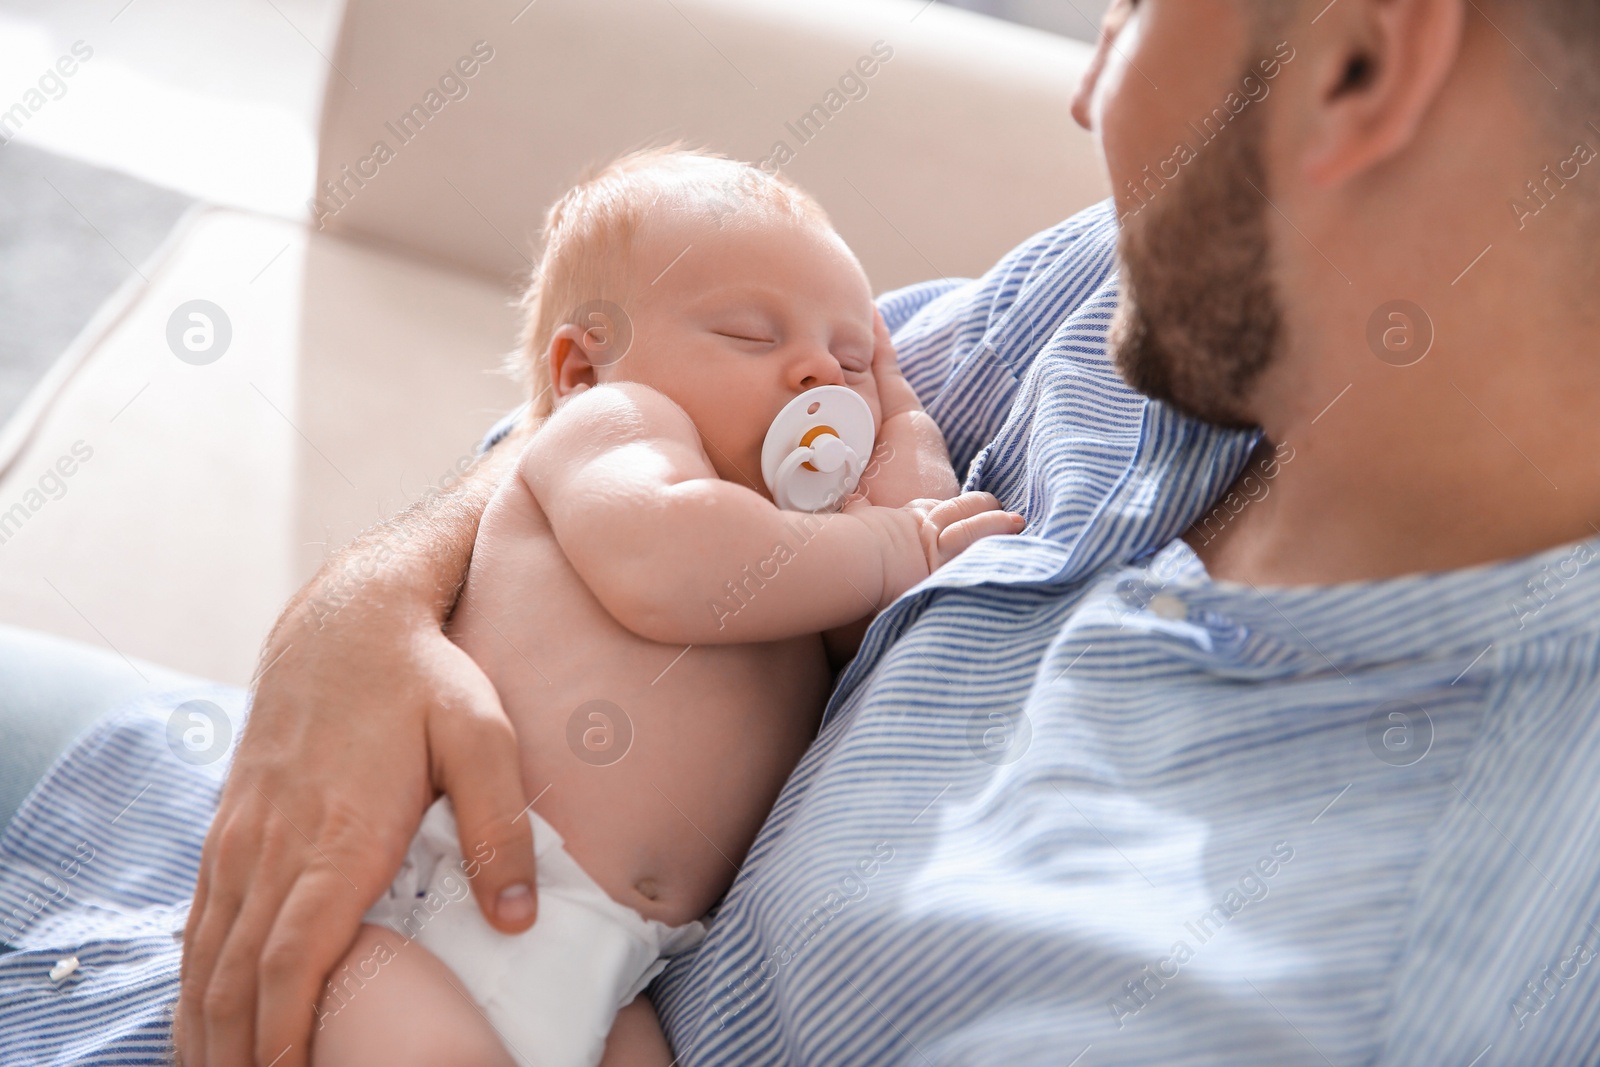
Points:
(1376, 79)
(571, 362)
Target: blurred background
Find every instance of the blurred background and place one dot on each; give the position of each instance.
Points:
(1075, 18)
(167, 159)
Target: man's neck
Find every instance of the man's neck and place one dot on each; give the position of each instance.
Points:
(1489, 449)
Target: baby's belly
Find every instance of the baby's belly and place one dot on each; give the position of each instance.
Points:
(658, 764)
(660, 791)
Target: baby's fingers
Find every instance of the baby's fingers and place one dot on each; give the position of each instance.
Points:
(943, 513)
(962, 534)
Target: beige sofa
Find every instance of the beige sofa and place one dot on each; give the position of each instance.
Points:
(166, 508)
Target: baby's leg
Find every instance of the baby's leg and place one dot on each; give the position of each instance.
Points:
(392, 1003)
(636, 1039)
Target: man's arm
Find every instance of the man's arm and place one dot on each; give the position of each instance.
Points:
(363, 710)
(676, 554)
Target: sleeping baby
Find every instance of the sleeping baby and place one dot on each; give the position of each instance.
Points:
(724, 482)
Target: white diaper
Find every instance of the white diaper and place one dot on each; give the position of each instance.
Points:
(553, 991)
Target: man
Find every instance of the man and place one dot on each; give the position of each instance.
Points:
(1310, 783)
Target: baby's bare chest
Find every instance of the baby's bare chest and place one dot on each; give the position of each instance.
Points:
(641, 752)
(552, 650)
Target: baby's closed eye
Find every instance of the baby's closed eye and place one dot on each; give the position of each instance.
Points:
(754, 337)
(854, 363)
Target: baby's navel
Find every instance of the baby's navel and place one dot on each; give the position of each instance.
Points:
(648, 889)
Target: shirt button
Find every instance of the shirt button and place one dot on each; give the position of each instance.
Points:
(1169, 607)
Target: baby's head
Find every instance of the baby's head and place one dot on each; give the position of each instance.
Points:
(722, 286)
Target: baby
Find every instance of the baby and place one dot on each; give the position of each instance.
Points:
(661, 634)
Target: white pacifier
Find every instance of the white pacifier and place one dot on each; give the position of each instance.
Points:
(817, 448)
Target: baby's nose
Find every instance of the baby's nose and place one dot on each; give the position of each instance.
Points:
(818, 369)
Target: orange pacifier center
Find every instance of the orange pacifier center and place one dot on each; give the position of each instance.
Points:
(811, 435)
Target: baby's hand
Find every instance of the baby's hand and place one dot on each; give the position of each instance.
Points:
(923, 536)
(895, 395)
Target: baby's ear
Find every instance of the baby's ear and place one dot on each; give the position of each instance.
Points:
(572, 361)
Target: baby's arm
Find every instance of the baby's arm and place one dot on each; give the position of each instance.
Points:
(910, 461)
(661, 541)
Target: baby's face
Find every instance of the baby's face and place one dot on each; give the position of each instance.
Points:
(732, 323)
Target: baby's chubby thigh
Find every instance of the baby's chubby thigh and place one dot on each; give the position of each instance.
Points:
(392, 1002)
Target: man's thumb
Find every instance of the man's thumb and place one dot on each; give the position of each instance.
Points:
(477, 768)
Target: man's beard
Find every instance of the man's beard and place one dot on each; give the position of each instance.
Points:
(1199, 321)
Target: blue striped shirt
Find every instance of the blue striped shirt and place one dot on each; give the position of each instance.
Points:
(1074, 802)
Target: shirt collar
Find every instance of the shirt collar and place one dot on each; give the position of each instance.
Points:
(1550, 593)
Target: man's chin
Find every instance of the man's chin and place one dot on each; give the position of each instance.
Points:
(1157, 371)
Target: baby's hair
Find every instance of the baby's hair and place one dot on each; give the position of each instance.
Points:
(589, 234)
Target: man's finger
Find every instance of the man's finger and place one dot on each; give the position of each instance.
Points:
(202, 888)
(227, 860)
(230, 999)
(478, 767)
(188, 988)
(201, 950)
(315, 928)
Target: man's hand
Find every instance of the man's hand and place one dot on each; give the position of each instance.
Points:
(363, 711)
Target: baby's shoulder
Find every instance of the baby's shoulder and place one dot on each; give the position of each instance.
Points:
(612, 415)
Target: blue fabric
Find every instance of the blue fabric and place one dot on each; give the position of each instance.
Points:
(1074, 802)
(52, 690)
(499, 431)
(99, 864)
